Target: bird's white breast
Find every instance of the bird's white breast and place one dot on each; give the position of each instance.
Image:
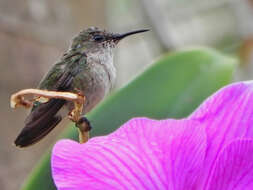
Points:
(103, 60)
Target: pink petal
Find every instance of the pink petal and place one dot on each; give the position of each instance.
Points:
(142, 154)
(226, 115)
(234, 167)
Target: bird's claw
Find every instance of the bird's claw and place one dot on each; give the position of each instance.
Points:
(75, 114)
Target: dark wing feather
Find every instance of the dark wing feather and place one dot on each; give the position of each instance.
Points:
(43, 117)
(39, 123)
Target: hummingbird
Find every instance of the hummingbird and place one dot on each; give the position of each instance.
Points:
(87, 67)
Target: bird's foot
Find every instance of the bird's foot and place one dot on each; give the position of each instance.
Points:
(75, 114)
(84, 126)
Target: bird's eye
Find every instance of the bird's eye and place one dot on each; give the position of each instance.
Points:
(78, 46)
(98, 38)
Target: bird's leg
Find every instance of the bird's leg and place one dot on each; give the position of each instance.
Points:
(18, 100)
(75, 114)
(82, 123)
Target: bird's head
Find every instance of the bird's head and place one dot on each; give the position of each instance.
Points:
(93, 39)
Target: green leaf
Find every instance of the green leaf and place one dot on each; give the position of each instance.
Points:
(172, 87)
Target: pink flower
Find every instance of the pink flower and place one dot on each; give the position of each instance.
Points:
(212, 149)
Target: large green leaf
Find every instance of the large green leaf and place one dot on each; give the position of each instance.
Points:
(172, 87)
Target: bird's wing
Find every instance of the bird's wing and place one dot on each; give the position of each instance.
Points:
(43, 116)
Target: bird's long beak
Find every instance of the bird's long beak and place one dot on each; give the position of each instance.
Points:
(118, 37)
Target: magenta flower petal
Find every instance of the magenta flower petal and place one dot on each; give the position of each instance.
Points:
(234, 167)
(226, 116)
(142, 154)
(211, 149)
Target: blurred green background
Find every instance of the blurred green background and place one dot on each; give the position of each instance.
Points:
(35, 33)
